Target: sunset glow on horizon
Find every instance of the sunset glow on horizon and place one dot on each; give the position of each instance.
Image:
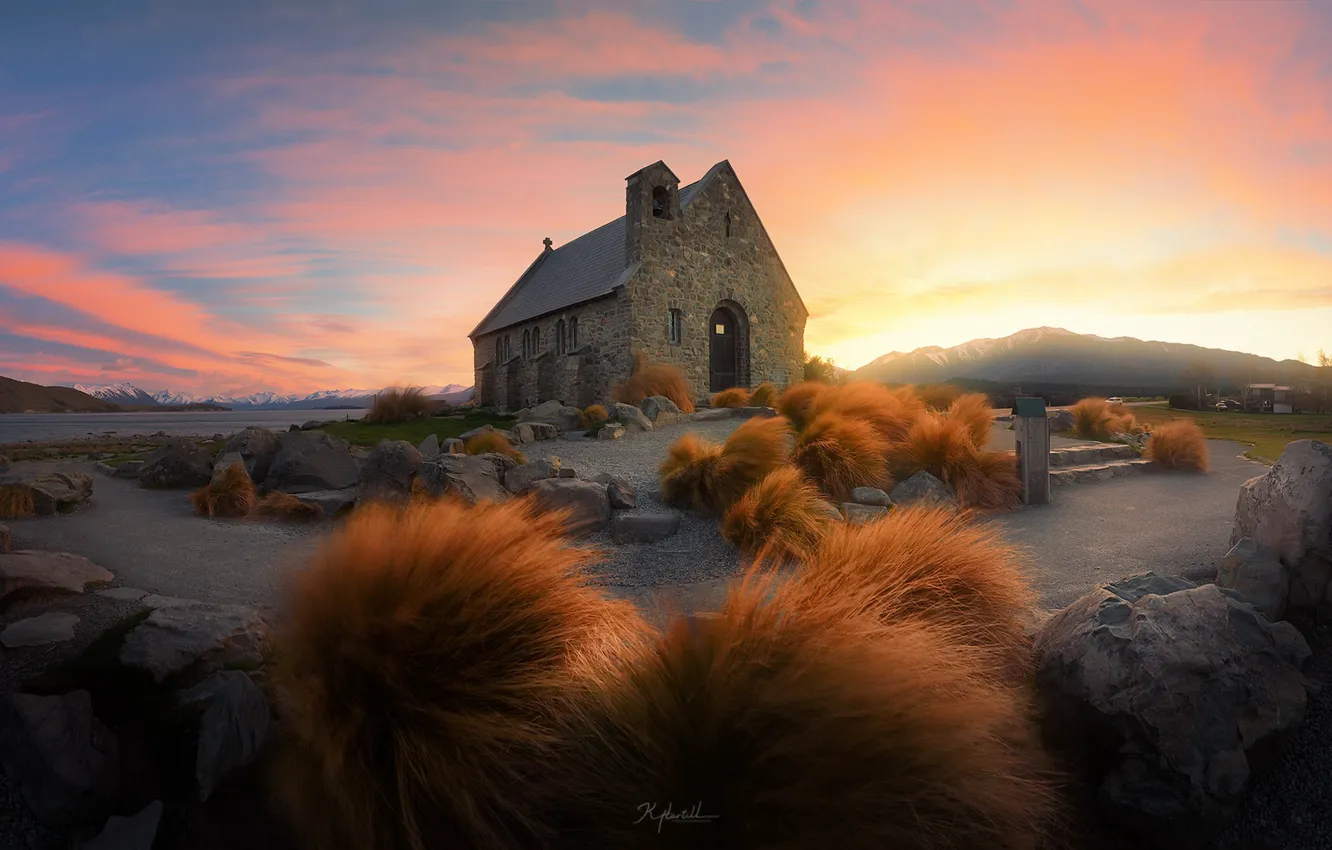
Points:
(226, 200)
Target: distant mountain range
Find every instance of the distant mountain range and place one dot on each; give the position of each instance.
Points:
(1054, 356)
(131, 396)
(23, 397)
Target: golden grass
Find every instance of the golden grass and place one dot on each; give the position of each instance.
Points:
(1179, 444)
(765, 395)
(398, 404)
(938, 397)
(840, 453)
(689, 472)
(1097, 419)
(488, 442)
(891, 412)
(596, 414)
(231, 495)
(989, 481)
(16, 502)
(284, 506)
(797, 402)
(782, 516)
(429, 655)
(650, 379)
(733, 397)
(943, 447)
(973, 411)
(710, 478)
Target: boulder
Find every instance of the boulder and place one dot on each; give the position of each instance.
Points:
(59, 492)
(225, 460)
(712, 413)
(293, 427)
(1289, 511)
(136, 832)
(502, 463)
(754, 412)
(587, 502)
(622, 494)
(520, 478)
(123, 594)
(858, 514)
(542, 430)
(234, 723)
(6, 540)
(178, 463)
(1062, 420)
(508, 434)
(311, 460)
(1256, 574)
(388, 472)
(568, 472)
(554, 413)
(454, 446)
(429, 447)
(44, 629)
(870, 496)
(484, 429)
(66, 763)
(643, 528)
(59, 572)
(473, 479)
(523, 433)
(310, 424)
(333, 503)
(655, 405)
(129, 469)
(258, 446)
(610, 431)
(922, 488)
(197, 636)
(1166, 689)
(630, 417)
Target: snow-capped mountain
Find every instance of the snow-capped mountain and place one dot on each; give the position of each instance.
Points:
(118, 394)
(132, 395)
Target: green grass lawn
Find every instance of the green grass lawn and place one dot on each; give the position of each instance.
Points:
(1268, 433)
(363, 434)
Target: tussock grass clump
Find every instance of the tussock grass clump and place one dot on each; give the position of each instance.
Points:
(990, 481)
(492, 441)
(655, 379)
(1179, 444)
(937, 397)
(793, 726)
(798, 400)
(398, 404)
(596, 414)
(765, 395)
(943, 447)
(842, 453)
(891, 412)
(1097, 419)
(284, 506)
(689, 472)
(782, 516)
(16, 502)
(231, 495)
(733, 397)
(710, 478)
(426, 657)
(973, 412)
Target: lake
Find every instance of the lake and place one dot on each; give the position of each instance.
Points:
(19, 427)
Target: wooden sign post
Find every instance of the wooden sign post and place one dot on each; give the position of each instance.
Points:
(1031, 429)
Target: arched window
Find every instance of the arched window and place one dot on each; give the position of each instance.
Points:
(527, 344)
(499, 349)
(675, 326)
(560, 345)
(573, 333)
(661, 202)
(536, 342)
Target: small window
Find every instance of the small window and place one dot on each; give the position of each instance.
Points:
(728, 225)
(675, 326)
(661, 202)
(499, 349)
(536, 342)
(721, 329)
(560, 346)
(573, 333)
(527, 344)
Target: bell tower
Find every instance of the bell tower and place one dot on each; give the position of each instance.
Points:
(652, 196)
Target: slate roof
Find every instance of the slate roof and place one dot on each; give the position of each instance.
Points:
(584, 269)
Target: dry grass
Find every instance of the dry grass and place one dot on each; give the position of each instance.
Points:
(689, 473)
(710, 478)
(944, 448)
(655, 379)
(891, 412)
(733, 397)
(231, 495)
(938, 397)
(428, 655)
(973, 411)
(398, 404)
(284, 506)
(488, 442)
(803, 728)
(990, 481)
(1179, 444)
(841, 453)
(1097, 419)
(798, 400)
(16, 502)
(595, 414)
(783, 516)
(765, 395)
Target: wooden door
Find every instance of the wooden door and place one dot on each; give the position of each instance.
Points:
(723, 365)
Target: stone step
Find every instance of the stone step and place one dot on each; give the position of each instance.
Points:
(1089, 472)
(1091, 454)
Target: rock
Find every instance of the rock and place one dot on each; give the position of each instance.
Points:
(129, 469)
(1168, 688)
(258, 446)
(178, 463)
(192, 635)
(59, 492)
(712, 413)
(6, 540)
(502, 463)
(333, 503)
(754, 412)
(123, 594)
(154, 600)
(227, 459)
(310, 424)
(630, 417)
(610, 431)
(484, 429)
(870, 496)
(587, 502)
(1289, 510)
(1256, 574)
(542, 430)
(922, 488)
(136, 832)
(1062, 420)
(622, 494)
(31, 570)
(643, 528)
(568, 472)
(293, 427)
(51, 627)
(518, 479)
(388, 472)
(454, 446)
(524, 433)
(65, 761)
(858, 514)
(473, 479)
(554, 413)
(104, 468)
(234, 724)
(311, 460)
(429, 447)
(509, 435)
(655, 405)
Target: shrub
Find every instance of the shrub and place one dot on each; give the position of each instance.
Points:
(427, 654)
(798, 400)
(689, 474)
(231, 495)
(934, 444)
(709, 478)
(891, 412)
(789, 728)
(1179, 444)
(733, 397)
(938, 397)
(782, 516)
(488, 442)
(398, 404)
(973, 411)
(820, 369)
(841, 453)
(1097, 419)
(989, 481)
(16, 502)
(279, 505)
(596, 414)
(655, 379)
(765, 395)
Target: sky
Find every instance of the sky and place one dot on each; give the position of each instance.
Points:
(232, 197)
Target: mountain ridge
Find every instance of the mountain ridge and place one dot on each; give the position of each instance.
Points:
(128, 394)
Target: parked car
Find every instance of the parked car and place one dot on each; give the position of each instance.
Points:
(1222, 407)
(1114, 399)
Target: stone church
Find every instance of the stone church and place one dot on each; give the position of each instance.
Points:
(687, 276)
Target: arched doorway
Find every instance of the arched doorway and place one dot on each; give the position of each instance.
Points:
(728, 349)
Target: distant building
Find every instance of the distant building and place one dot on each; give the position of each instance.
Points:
(686, 276)
(1269, 398)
